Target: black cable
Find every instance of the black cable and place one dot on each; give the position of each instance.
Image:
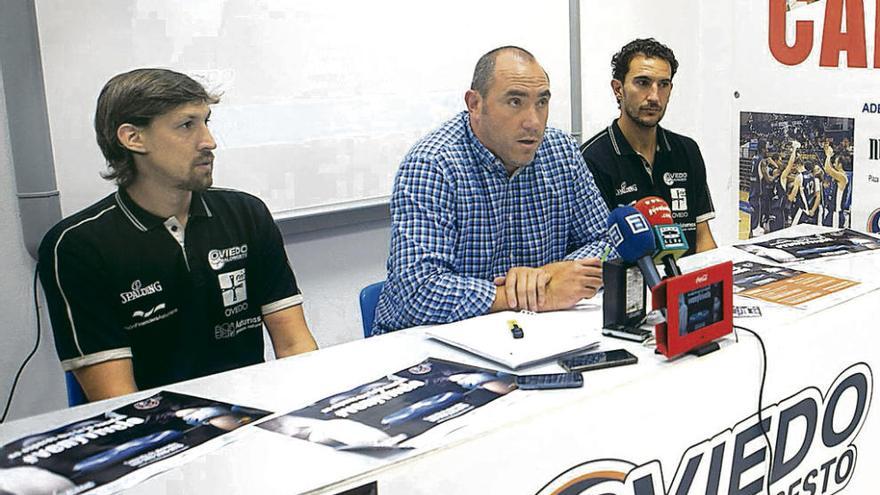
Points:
(760, 402)
(33, 351)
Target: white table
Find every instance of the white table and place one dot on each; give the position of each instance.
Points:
(647, 415)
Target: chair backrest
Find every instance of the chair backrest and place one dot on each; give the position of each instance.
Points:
(369, 300)
(75, 394)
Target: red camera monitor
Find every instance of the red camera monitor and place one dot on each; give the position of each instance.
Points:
(699, 309)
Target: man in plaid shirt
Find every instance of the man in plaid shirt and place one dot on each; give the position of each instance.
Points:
(493, 211)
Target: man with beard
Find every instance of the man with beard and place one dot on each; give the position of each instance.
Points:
(634, 157)
(493, 210)
(165, 279)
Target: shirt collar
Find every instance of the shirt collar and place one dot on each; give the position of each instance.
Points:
(622, 146)
(484, 156)
(144, 220)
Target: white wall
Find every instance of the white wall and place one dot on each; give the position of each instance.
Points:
(331, 268)
(41, 387)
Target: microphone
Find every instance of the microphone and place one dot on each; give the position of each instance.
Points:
(633, 238)
(671, 242)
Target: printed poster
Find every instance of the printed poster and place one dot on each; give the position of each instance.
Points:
(99, 450)
(794, 169)
(388, 411)
(808, 247)
(782, 285)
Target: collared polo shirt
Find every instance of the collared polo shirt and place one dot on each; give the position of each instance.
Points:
(121, 282)
(678, 175)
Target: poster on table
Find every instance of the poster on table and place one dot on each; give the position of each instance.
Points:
(388, 411)
(809, 247)
(808, 114)
(784, 286)
(97, 452)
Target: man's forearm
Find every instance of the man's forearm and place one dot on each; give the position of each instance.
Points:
(289, 332)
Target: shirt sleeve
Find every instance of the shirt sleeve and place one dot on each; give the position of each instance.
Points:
(703, 210)
(279, 289)
(81, 305)
(423, 284)
(590, 216)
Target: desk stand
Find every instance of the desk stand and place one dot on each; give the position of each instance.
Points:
(704, 349)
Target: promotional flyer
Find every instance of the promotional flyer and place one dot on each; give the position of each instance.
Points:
(99, 450)
(386, 412)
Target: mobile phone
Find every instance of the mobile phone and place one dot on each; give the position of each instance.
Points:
(550, 381)
(598, 360)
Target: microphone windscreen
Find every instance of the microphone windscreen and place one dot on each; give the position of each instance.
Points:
(631, 233)
(655, 209)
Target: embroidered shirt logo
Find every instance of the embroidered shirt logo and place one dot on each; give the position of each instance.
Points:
(139, 290)
(670, 178)
(625, 189)
(218, 258)
(679, 199)
(148, 313)
(233, 287)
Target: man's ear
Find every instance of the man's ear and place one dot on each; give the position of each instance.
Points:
(617, 88)
(131, 137)
(473, 99)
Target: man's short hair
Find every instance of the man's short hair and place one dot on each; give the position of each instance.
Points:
(484, 71)
(649, 47)
(136, 97)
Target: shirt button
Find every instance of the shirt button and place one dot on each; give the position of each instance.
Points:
(174, 228)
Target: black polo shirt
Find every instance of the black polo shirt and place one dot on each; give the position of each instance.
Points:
(121, 282)
(678, 175)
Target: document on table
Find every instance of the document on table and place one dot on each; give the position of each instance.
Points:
(545, 336)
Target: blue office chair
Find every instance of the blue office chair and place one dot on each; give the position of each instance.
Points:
(75, 394)
(369, 299)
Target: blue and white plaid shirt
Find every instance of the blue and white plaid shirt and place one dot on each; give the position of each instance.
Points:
(458, 221)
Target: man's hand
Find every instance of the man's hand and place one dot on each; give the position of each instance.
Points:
(571, 281)
(524, 287)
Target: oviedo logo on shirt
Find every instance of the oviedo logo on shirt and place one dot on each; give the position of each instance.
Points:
(670, 178)
(811, 437)
(233, 286)
(139, 290)
(218, 258)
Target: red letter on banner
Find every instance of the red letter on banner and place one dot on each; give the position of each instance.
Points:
(834, 40)
(803, 41)
(877, 36)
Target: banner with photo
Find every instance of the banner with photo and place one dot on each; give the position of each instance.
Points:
(388, 411)
(98, 451)
(805, 96)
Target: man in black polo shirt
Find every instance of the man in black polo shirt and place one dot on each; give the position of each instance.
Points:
(165, 279)
(634, 157)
